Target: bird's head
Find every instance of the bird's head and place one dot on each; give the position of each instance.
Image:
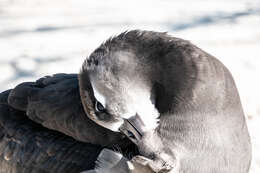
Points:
(121, 84)
(120, 89)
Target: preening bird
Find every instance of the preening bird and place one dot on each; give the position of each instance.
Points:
(176, 103)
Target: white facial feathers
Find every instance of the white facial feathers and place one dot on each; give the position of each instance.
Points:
(143, 106)
(99, 96)
(113, 126)
(149, 115)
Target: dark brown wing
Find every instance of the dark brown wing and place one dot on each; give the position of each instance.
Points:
(54, 102)
(26, 146)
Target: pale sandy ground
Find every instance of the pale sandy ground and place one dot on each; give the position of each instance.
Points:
(40, 37)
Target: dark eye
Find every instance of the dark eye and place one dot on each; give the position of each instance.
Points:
(99, 107)
(130, 134)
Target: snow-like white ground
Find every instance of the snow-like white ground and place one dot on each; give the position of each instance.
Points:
(39, 37)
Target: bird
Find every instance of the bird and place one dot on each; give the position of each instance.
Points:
(176, 102)
(44, 129)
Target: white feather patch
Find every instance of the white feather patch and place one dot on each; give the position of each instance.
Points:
(143, 106)
(99, 96)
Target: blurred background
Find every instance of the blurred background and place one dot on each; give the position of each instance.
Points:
(39, 37)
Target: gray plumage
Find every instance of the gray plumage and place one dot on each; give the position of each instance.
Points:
(201, 128)
(180, 103)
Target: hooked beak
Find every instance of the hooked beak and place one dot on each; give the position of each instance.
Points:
(133, 128)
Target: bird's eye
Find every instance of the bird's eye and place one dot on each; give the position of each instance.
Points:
(99, 107)
(130, 134)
